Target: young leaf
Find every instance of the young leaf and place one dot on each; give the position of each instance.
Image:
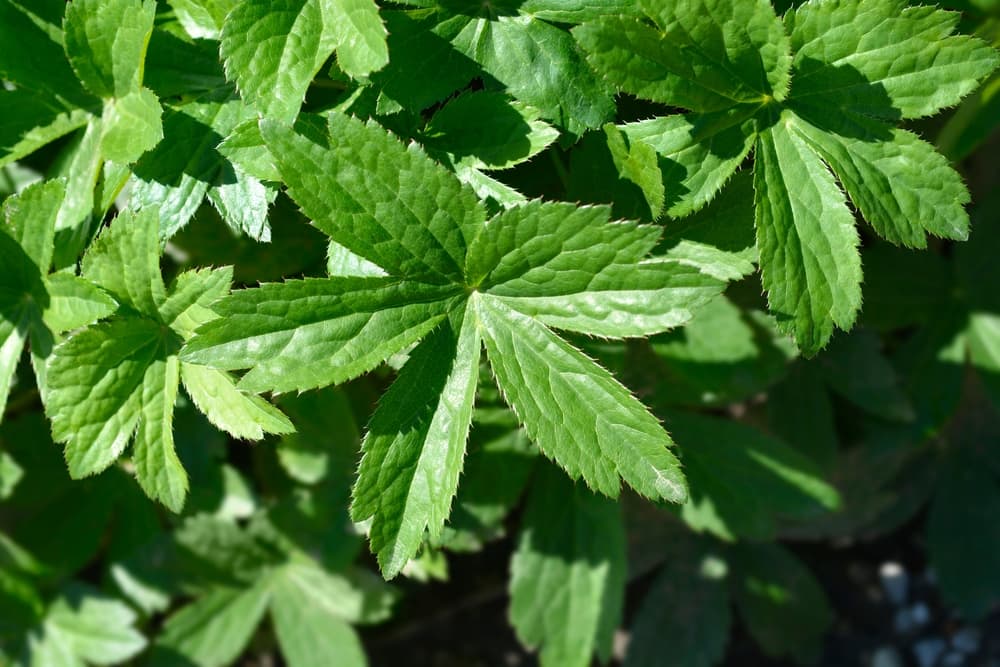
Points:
(541, 375)
(120, 378)
(84, 625)
(568, 573)
(242, 415)
(485, 130)
(106, 43)
(415, 444)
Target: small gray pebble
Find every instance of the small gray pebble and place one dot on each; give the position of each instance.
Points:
(967, 640)
(927, 651)
(953, 659)
(887, 656)
(895, 581)
(902, 622)
(920, 614)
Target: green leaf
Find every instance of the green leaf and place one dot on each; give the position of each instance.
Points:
(809, 257)
(35, 29)
(186, 167)
(94, 395)
(553, 248)
(387, 202)
(415, 444)
(360, 36)
(125, 260)
(800, 412)
(742, 481)
(14, 321)
(576, 11)
(697, 153)
(33, 120)
(646, 299)
(245, 148)
(30, 218)
(782, 605)
(157, 467)
(74, 303)
(426, 66)
(272, 50)
(202, 19)
(311, 631)
(191, 296)
(487, 130)
(311, 333)
(984, 350)
(723, 355)
(610, 168)
(568, 573)
(543, 377)
(884, 59)
(84, 625)
(902, 186)
(496, 471)
(703, 55)
(106, 43)
(242, 415)
(75, 223)
(131, 125)
(213, 630)
(719, 239)
(540, 65)
(855, 368)
(692, 634)
(326, 443)
(962, 541)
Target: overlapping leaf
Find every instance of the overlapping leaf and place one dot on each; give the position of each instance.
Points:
(36, 306)
(272, 50)
(451, 280)
(810, 96)
(117, 379)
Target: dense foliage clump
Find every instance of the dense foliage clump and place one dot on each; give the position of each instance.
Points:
(590, 271)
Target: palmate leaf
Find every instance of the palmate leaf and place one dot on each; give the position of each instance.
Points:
(810, 96)
(453, 282)
(119, 379)
(36, 306)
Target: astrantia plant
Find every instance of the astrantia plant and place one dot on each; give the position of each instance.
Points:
(813, 97)
(476, 271)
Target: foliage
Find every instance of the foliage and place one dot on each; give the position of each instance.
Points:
(497, 268)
